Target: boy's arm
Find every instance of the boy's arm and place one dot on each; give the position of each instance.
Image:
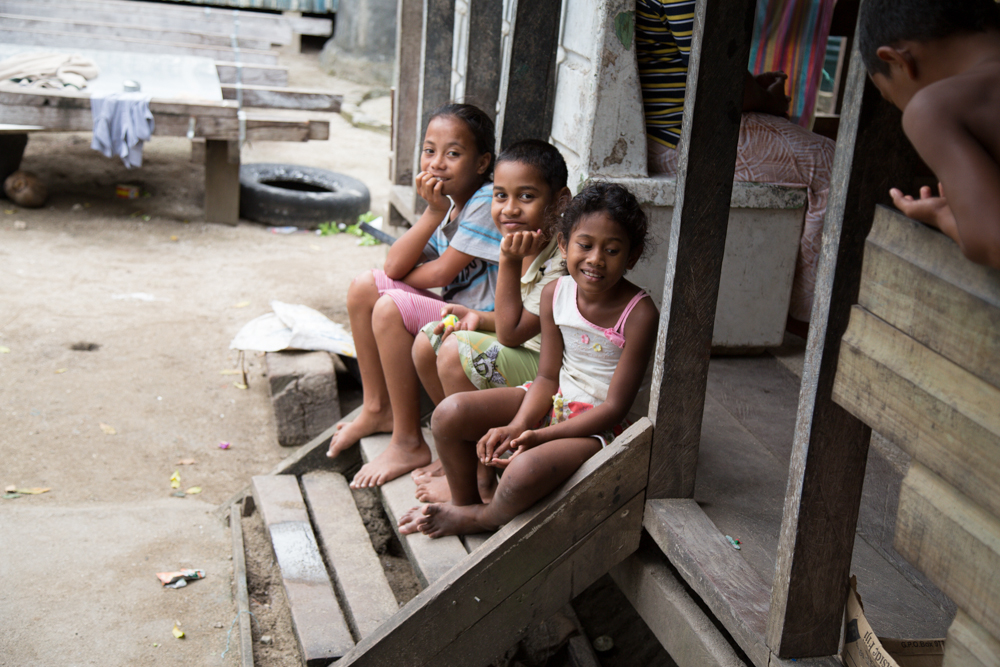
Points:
(970, 215)
(438, 272)
(404, 254)
(515, 324)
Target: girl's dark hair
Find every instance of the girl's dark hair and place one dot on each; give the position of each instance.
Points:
(620, 205)
(888, 22)
(479, 124)
(542, 156)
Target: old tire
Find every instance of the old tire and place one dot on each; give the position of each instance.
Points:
(287, 194)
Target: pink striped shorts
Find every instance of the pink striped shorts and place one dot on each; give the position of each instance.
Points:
(416, 306)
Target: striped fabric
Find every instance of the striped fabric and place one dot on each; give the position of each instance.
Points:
(663, 44)
(790, 36)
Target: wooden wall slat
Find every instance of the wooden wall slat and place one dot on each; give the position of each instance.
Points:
(934, 410)
(953, 541)
(917, 280)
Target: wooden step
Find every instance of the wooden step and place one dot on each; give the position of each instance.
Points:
(363, 589)
(431, 558)
(320, 627)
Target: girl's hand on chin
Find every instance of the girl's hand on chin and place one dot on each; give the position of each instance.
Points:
(431, 188)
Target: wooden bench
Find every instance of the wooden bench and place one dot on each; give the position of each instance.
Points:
(216, 122)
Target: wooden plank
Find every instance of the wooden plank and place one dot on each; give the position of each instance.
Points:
(697, 241)
(918, 281)
(401, 198)
(222, 183)
(969, 645)
(830, 450)
(527, 84)
(320, 628)
(143, 14)
(518, 552)
(937, 412)
(252, 74)
(547, 592)
(309, 457)
(483, 65)
(111, 29)
(284, 98)
(430, 558)
(679, 623)
(734, 592)
(131, 44)
(359, 579)
(955, 542)
(406, 128)
(240, 579)
(302, 25)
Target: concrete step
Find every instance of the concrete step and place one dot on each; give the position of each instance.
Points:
(361, 584)
(320, 627)
(430, 558)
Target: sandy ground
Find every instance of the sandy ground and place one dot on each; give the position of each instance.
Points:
(157, 294)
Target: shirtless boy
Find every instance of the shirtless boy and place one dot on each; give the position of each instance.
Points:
(939, 62)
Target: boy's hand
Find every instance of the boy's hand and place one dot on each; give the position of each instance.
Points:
(468, 320)
(432, 190)
(522, 244)
(930, 210)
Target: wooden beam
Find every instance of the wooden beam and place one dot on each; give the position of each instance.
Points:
(527, 84)
(731, 589)
(284, 98)
(222, 183)
(406, 96)
(483, 64)
(435, 67)
(240, 579)
(130, 44)
(936, 411)
(830, 448)
(953, 541)
(712, 104)
(544, 594)
(679, 623)
(917, 280)
(493, 574)
(111, 29)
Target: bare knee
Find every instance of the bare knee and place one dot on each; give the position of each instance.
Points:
(362, 291)
(449, 362)
(449, 418)
(385, 315)
(423, 353)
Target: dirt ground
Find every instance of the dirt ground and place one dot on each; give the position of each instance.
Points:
(115, 322)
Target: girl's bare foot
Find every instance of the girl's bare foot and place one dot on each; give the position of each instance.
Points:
(433, 490)
(447, 519)
(368, 422)
(408, 522)
(435, 469)
(399, 458)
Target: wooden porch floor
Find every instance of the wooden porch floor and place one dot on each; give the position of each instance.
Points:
(746, 443)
